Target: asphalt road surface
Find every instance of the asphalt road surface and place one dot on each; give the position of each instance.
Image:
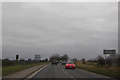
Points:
(59, 71)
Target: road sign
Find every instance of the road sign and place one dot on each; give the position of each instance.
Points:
(37, 57)
(109, 51)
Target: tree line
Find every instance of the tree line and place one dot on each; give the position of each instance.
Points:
(111, 60)
(58, 57)
(7, 62)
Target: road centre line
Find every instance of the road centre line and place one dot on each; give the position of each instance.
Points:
(68, 74)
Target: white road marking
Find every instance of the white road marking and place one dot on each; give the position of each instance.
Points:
(68, 74)
(62, 70)
(30, 76)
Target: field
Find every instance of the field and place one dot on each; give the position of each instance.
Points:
(11, 69)
(103, 70)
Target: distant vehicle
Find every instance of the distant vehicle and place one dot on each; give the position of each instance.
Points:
(60, 61)
(57, 61)
(63, 62)
(70, 65)
(54, 62)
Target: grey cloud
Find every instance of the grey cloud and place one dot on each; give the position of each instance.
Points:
(77, 29)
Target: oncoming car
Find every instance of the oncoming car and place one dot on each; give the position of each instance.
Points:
(63, 62)
(70, 65)
(54, 62)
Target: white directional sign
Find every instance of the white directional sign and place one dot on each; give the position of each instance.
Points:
(109, 51)
(37, 57)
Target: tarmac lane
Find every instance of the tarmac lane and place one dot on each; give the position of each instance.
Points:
(59, 72)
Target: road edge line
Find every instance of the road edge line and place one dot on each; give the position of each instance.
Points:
(35, 72)
(32, 72)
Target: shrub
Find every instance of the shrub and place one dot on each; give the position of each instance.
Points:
(7, 62)
(100, 60)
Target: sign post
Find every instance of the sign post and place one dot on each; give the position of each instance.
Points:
(105, 52)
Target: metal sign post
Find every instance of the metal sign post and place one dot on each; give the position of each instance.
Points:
(105, 59)
(105, 52)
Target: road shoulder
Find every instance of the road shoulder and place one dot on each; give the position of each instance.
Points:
(24, 73)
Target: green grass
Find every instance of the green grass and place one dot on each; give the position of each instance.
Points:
(15, 68)
(111, 71)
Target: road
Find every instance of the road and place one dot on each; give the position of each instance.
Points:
(58, 71)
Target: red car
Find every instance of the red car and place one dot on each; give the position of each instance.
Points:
(70, 65)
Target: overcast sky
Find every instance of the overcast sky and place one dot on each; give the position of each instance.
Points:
(77, 29)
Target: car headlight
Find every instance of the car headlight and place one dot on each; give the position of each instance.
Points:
(66, 65)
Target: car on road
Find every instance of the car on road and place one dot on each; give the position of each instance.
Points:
(54, 62)
(70, 65)
(63, 62)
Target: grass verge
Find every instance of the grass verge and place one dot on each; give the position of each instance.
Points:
(15, 68)
(106, 71)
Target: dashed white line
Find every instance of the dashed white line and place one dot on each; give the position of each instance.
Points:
(62, 70)
(68, 74)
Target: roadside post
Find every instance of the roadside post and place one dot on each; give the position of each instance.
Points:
(17, 57)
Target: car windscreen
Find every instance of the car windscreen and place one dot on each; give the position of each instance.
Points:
(70, 63)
